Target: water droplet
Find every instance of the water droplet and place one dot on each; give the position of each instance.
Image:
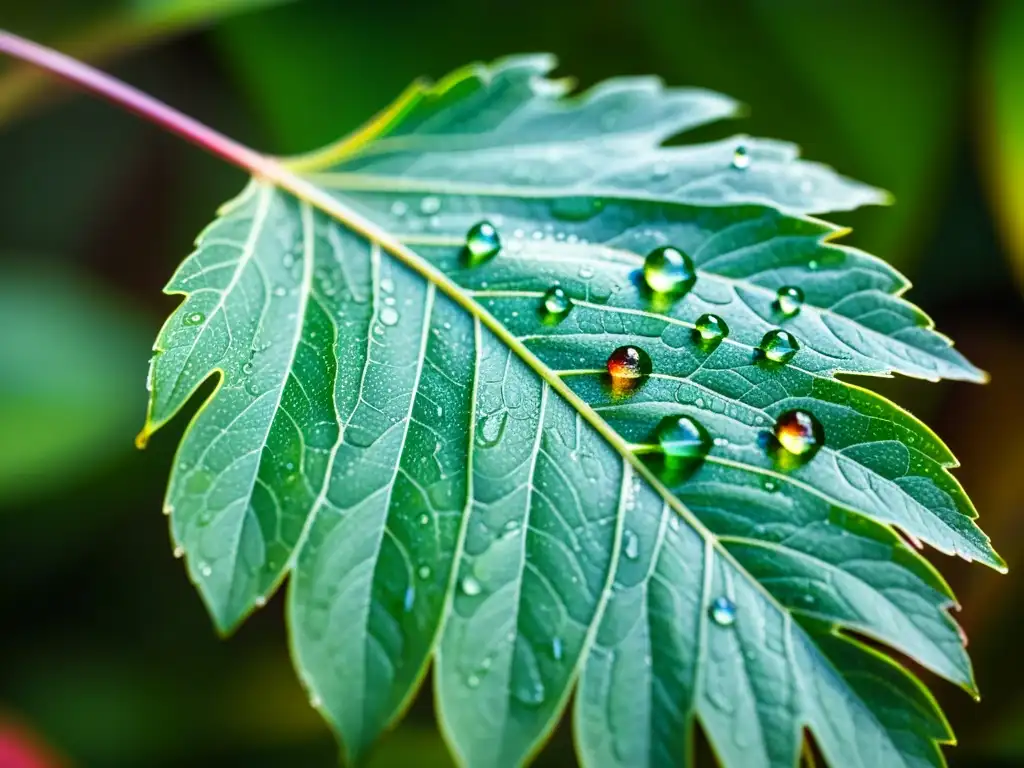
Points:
(788, 300)
(410, 598)
(723, 611)
(628, 366)
(424, 572)
(399, 208)
(576, 208)
(179, 552)
(769, 485)
(205, 569)
(473, 681)
(280, 291)
(194, 318)
(668, 270)
(247, 369)
(470, 586)
(387, 284)
(812, 264)
(530, 693)
(556, 303)
(659, 171)
(741, 157)
(799, 433)
(683, 439)
(630, 544)
(710, 330)
(424, 519)
(388, 316)
(259, 601)
(168, 509)
(779, 346)
(482, 242)
(556, 649)
(315, 701)
(491, 428)
(430, 205)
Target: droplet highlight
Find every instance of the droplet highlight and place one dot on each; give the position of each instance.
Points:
(194, 318)
(683, 439)
(788, 300)
(779, 346)
(710, 330)
(741, 157)
(800, 433)
(669, 271)
(630, 544)
(556, 303)
(723, 611)
(482, 242)
(470, 586)
(628, 366)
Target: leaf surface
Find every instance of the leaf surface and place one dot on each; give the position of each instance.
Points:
(445, 473)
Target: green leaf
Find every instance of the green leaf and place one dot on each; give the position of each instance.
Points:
(445, 472)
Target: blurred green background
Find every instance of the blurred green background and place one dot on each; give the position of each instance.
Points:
(106, 653)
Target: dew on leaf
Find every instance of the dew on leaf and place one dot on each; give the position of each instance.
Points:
(399, 208)
(669, 271)
(430, 205)
(410, 598)
(576, 208)
(482, 242)
(709, 330)
(683, 439)
(259, 601)
(388, 316)
(630, 544)
(723, 611)
(194, 318)
(205, 569)
(470, 586)
(179, 552)
(799, 433)
(556, 303)
(423, 572)
(628, 366)
(556, 649)
(741, 157)
(779, 346)
(788, 300)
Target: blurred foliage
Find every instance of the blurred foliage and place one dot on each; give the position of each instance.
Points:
(106, 651)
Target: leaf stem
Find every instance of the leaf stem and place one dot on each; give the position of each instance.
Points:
(91, 79)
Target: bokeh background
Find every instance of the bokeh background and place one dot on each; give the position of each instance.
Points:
(107, 657)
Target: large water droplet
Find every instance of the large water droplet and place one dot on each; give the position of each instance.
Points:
(779, 346)
(741, 157)
(576, 208)
(710, 330)
(389, 316)
(628, 366)
(788, 300)
(683, 439)
(482, 242)
(556, 303)
(470, 586)
(630, 544)
(723, 611)
(194, 318)
(668, 270)
(430, 205)
(799, 433)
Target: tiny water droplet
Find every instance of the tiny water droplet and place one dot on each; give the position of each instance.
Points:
(399, 208)
(683, 439)
(470, 586)
(387, 284)
(710, 330)
(194, 318)
(799, 433)
(482, 242)
(205, 569)
(628, 366)
(168, 509)
(556, 649)
(586, 273)
(723, 611)
(315, 701)
(556, 303)
(473, 681)
(669, 271)
(779, 346)
(788, 300)
(247, 369)
(424, 572)
(430, 205)
(769, 485)
(630, 544)
(741, 157)
(388, 316)
(410, 598)
(280, 291)
(259, 601)
(179, 552)
(812, 264)
(659, 171)
(424, 519)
